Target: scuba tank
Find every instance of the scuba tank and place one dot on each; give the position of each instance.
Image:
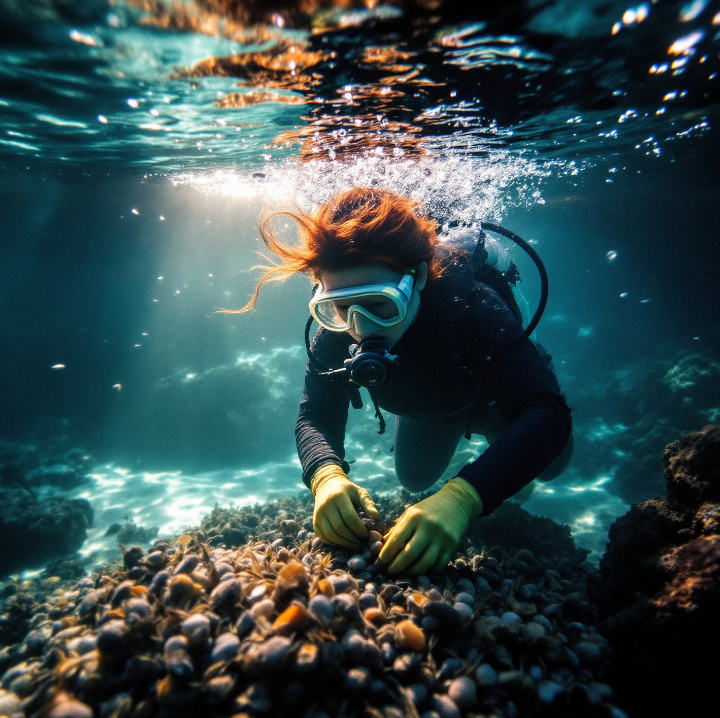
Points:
(492, 265)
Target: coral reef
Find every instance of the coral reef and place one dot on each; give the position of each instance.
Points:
(659, 584)
(275, 624)
(32, 532)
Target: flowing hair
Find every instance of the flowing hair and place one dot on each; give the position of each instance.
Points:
(359, 226)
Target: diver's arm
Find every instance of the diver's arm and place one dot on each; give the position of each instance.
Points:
(320, 428)
(528, 396)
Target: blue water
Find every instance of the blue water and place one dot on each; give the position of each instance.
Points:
(131, 189)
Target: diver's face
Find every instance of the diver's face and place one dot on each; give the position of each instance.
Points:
(366, 274)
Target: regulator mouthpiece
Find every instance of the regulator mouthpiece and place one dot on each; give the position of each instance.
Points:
(370, 363)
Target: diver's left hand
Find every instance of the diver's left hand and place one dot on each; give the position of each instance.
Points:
(427, 533)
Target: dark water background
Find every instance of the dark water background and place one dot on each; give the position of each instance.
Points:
(184, 407)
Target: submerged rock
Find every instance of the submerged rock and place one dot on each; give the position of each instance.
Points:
(659, 586)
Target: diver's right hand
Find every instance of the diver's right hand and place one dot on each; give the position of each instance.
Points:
(335, 519)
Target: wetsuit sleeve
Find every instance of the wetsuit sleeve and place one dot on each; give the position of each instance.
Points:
(527, 394)
(320, 428)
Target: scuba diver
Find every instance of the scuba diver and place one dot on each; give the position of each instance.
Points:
(435, 333)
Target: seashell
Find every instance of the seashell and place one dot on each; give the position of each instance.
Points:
(356, 564)
(141, 671)
(182, 589)
(408, 637)
(375, 549)
(245, 624)
(531, 632)
(226, 594)
(188, 564)
(271, 656)
(138, 606)
(448, 669)
(317, 544)
(345, 606)
(588, 652)
(289, 527)
(465, 597)
(292, 582)
(121, 592)
(445, 706)
(417, 694)
(155, 560)
(416, 601)
(548, 691)
(132, 557)
(379, 691)
(442, 612)
(256, 699)
(65, 706)
(553, 611)
(307, 659)
(331, 655)
(89, 603)
(175, 643)
(184, 540)
(405, 664)
(486, 675)
(159, 583)
(9, 704)
(82, 644)
(466, 586)
(217, 689)
(111, 638)
(367, 600)
(463, 692)
(374, 616)
(284, 555)
(322, 608)
(388, 653)
(326, 588)
(196, 629)
(179, 665)
(294, 618)
(257, 594)
(226, 648)
(266, 608)
(343, 583)
(357, 679)
(465, 614)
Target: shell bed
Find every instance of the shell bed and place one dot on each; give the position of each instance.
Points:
(282, 625)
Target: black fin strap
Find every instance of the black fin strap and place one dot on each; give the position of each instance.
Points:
(379, 417)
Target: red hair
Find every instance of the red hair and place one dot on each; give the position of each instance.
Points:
(358, 226)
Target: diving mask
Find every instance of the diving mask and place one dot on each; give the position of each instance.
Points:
(384, 304)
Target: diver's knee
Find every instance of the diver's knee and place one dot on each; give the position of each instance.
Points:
(414, 480)
(560, 463)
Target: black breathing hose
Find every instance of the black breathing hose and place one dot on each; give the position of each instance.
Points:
(538, 263)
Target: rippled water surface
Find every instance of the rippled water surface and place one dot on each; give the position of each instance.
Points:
(141, 139)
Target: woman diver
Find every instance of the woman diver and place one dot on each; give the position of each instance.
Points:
(460, 363)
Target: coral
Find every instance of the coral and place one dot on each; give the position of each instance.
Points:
(659, 584)
(33, 532)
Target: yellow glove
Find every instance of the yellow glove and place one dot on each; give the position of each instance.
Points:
(427, 533)
(335, 519)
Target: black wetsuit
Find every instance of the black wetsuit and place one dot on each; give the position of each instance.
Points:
(460, 360)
